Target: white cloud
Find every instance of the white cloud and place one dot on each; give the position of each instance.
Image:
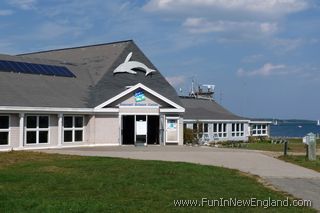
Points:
(176, 80)
(24, 4)
(266, 70)
(243, 19)
(201, 25)
(267, 7)
(6, 12)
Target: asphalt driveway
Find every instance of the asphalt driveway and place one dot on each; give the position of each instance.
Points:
(300, 182)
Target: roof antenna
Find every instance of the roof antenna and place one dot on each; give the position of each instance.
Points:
(192, 88)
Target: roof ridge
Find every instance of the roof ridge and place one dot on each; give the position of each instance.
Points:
(70, 48)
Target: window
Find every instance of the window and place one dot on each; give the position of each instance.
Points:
(72, 129)
(237, 129)
(4, 130)
(220, 130)
(259, 129)
(37, 129)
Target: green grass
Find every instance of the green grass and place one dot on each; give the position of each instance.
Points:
(295, 145)
(38, 182)
(302, 161)
(292, 147)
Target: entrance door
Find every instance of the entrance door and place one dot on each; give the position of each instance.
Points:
(153, 129)
(128, 130)
(141, 129)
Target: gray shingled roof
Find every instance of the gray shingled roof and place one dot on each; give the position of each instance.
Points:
(94, 83)
(197, 109)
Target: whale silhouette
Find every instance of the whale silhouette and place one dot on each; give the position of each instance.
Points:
(129, 66)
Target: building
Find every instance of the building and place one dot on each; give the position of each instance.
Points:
(210, 120)
(106, 94)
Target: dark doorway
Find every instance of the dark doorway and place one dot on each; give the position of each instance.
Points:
(128, 130)
(153, 129)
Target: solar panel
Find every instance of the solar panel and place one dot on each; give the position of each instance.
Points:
(31, 68)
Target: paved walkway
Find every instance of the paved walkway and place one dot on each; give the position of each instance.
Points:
(298, 181)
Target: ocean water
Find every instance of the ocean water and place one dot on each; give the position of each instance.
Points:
(293, 129)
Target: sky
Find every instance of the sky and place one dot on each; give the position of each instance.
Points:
(262, 55)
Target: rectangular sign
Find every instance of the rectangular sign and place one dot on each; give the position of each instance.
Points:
(141, 127)
(139, 96)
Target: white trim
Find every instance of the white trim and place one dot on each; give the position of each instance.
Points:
(215, 121)
(60, 131)
(131, 89)
(260, 122)
(62, 147)
(138, 107)
(7, 130)
(171, 110)
(139, 113)
(43, 109)
(177, 129)
(21, 130)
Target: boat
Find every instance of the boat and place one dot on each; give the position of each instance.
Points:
(275, 122)
(318, 122)
(299, 126)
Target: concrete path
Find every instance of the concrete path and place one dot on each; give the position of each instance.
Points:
(300, 182)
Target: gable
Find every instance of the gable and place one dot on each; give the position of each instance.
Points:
(131, 97)
(140, 97)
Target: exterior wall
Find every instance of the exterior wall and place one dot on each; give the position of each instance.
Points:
(229, 136)
(180, 142)
(139, 110)
(106, 130)
(14, 130)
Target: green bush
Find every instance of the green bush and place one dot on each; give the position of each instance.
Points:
(189, 136)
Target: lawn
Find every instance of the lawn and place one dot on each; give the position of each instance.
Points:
(38, 182)
(302, 161)
(295, 145)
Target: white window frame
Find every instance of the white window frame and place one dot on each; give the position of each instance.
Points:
(238, 131)
(220, 132)
(73, 129)
(37, 129)
(259, 128)
(6, 130)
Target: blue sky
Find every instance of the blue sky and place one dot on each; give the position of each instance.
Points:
(262, 55)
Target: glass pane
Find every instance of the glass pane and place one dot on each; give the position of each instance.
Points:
(233, 128)
(31, 137)
(43, 122)
(4, 138)
(78, 135)
(4, 122)
(195, 127)
(67, 136)
(32, 122)
(78, 121)
(67, 121)
(43, 137)
(214, 127)
(205, 127)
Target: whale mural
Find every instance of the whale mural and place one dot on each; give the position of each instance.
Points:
(129, 66)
